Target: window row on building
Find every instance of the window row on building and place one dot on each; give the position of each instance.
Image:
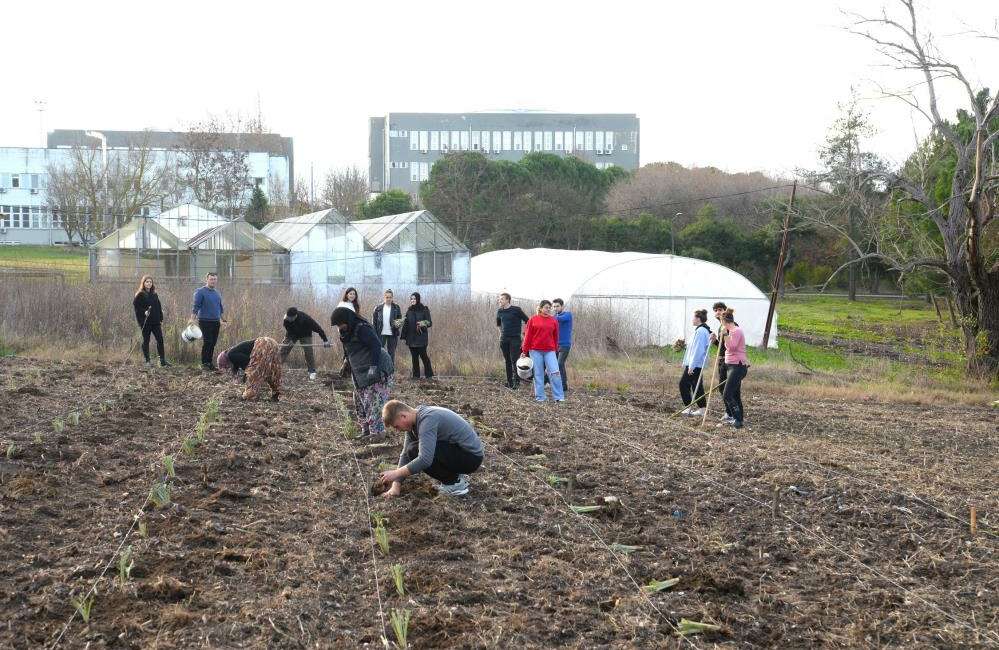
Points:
(419, 171)
(23, 181)
(27, 216)
(602, 142)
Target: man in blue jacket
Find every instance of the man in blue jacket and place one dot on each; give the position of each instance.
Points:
(208, 311)
(564, 319)
(691, 381)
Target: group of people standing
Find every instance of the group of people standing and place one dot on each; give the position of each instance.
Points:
(732, 365)
(546, 342)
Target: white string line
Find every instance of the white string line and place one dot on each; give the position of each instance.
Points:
(135, 520)
(821, 538)
(367, 504)
(596, 534)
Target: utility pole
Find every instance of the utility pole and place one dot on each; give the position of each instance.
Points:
(779, 271)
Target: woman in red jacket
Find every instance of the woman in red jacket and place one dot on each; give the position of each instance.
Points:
(541, 344)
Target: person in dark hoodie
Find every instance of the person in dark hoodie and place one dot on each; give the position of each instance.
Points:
(415, 332)
(370, 367)
(261, 358)
(299, 327)
(510, 319)
(149, 315)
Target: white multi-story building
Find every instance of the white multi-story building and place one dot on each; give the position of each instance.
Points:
(24, 214)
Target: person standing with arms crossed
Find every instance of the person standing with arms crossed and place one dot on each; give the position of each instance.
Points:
(208, 311)
(384, 319)
(509, 319)
(564, 319)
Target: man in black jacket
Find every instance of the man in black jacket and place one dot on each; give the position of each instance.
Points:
(510, 320)
(298, 327)
(384, 319)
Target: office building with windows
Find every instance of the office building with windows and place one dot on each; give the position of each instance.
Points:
(25, 217)
(404, 146)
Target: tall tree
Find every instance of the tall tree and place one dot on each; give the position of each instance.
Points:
(390, 202)
(962, 204)
(214, 161)
(345, 190)
(256, 212)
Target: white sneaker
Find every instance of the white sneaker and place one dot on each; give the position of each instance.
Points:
(312, 376)
(724, 417)
(685, 411)
(696, 413)
(460, 488)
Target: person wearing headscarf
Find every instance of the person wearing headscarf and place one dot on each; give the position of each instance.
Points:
(261, 358)
(370, 368)
(416, 326)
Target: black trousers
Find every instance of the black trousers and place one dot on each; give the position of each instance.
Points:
(510, 346)
(306, 342)
(450, 460)
(733, 390)
(417, 354)
(157, 331)
(722, 376)
(210, 336)
(390, 343)
(687, 384)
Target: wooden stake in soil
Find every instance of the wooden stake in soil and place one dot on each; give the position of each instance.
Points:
(714, 374)
(776, 505)
(779, 271)
(974, 520)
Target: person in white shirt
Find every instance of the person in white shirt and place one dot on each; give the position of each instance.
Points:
(386, 319)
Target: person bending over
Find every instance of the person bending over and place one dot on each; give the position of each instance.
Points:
(438, 441)
(298, 328)
(261, 358)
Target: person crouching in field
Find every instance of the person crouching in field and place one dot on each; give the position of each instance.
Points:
(261, 359)
(737, 365)
(370, 367)
(149, 315)
(438, 441)
(691, 381)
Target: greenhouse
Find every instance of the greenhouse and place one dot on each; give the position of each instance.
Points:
(655, 294)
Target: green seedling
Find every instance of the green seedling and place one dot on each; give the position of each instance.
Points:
(38, 438)
(160, 495)
(660, 585)
(556, 481)
(168, 465)
(143, 531)
(397, 578)
(381, 536)
(189, 445)
(212, 411)
(83, 607)
(536, 457)
(385, 466)
(624, 548)
(10, 450)
(86, 412)
(400, 625)
(74, 419)
(125, 565)
(694, 627)
(537, 468)
(58, 425)
(379, 519)
(582, 510)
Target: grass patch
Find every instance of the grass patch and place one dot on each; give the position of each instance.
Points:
(71, 261)
(873, 320)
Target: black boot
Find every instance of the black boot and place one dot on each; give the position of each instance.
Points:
(164, 363)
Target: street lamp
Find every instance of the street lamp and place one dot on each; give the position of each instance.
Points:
(104, 160)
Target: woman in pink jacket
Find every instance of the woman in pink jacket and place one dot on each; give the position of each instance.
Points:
(737, 364)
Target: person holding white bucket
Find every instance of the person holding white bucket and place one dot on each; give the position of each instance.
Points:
(540, 344)
(208, 311)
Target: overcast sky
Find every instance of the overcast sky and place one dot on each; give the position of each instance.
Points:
(738, 85)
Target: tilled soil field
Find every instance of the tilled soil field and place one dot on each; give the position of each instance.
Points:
(820, 524)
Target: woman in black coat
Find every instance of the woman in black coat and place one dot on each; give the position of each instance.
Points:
(416, 333)
(149, 316)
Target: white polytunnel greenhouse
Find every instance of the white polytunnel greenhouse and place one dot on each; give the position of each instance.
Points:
(656, 294)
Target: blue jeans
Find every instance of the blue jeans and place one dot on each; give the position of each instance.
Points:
(546, 361)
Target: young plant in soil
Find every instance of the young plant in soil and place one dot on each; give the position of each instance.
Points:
(397, 578)
(582, 510)
(381, 536)
(58, 425)
(74, 419)
(168, 465)
(400, 625)
(38, 438)
(160, 495)
(656, 586)
(624, 549)
(83, 606)
(125, 565)
(143, 531)
(10, 450)
(694, 627)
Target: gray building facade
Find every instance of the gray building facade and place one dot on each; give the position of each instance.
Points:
(404, 146)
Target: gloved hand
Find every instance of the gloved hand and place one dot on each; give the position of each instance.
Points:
(327, 344)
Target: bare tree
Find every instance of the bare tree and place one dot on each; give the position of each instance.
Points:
(970, 201)
(91, 199)
(214, 161)
(344, 190)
